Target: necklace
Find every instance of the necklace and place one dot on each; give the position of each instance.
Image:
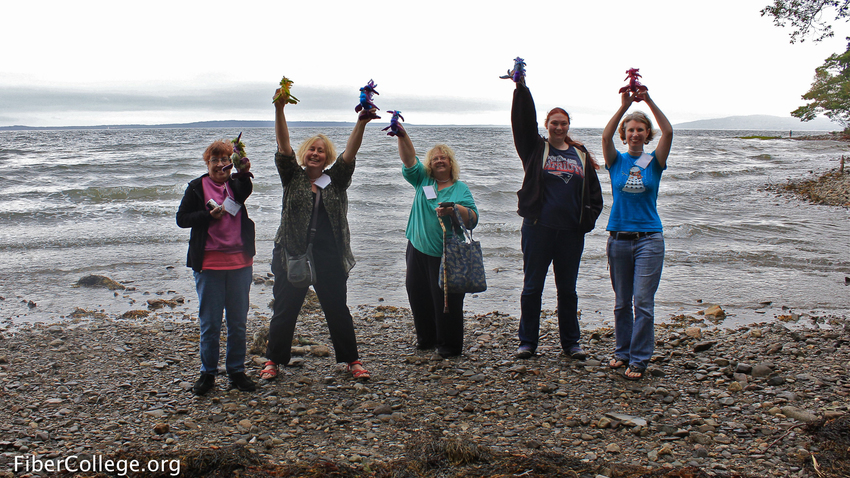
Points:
(443, 181)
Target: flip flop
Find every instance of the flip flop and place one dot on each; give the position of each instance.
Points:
(634, 370)
(616, 362)
(270, 371)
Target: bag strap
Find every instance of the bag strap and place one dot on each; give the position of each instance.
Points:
(545, 153)
(445, 269)
(315, 217)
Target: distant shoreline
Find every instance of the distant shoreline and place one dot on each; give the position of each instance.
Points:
(754, 123)
(801, 134)
(234, 124)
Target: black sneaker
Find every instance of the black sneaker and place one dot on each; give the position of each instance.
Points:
(448, 353)
(576, 353)
(204, 383)
(524, 352)
(242, 382)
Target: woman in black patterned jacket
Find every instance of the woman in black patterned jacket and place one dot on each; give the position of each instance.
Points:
(302, 175)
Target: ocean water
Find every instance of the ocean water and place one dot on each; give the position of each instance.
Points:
(104, 201)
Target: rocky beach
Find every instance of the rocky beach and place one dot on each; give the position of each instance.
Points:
(718, 402)
(766, 399)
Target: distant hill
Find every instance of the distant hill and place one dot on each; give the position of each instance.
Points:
(752, 122)
(762, 122)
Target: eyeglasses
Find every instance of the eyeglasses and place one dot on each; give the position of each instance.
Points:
(220, 160)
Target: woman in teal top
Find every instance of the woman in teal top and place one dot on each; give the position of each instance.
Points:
(636, 244)
(435, 182)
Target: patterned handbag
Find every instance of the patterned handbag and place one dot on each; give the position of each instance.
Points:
(462, 265)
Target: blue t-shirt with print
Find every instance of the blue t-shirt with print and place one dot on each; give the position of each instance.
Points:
(563, 178)
(634, 182)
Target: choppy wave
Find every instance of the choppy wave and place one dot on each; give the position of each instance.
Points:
(75, 200)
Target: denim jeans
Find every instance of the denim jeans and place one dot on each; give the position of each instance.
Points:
(635, 272)
(220, 291)
(542, 246)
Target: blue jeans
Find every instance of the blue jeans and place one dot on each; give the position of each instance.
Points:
(220, 291)
(542, 246)
(635, 272)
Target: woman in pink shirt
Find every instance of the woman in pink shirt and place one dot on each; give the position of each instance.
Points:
(221, 252)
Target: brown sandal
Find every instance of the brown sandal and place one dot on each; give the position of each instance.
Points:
(270, 371)
(358, 374)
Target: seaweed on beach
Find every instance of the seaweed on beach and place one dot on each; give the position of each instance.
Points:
(431, 456)
(208, 462)
(832, 438)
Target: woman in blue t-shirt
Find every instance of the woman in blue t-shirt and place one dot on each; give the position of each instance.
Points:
(636, 244)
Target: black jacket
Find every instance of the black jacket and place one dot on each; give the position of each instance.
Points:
(530, 146)
(193, 213)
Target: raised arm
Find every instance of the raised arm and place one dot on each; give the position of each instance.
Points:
(356, 137)
(405, 147)
(524, 122)
(609, 151)
(666, 139)
(281, 130)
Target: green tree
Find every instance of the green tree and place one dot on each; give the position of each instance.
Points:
(830, 91)
(806, 16)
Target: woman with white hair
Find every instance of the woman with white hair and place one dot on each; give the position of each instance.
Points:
(438, 194)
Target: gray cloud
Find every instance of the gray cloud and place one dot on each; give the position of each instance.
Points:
(18, 102)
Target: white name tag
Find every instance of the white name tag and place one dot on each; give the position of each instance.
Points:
(429, 192)
(231, 206)
(322, 181)
(643, 161)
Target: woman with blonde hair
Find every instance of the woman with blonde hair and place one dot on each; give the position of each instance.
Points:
(438, 194)
(317, 171)
(635, 244)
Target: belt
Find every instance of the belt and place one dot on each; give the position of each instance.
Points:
(630, 236)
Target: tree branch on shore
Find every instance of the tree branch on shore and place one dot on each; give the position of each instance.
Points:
(805, 16)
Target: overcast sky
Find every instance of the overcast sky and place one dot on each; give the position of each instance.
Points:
(76, 63)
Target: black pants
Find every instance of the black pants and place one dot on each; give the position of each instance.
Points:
(434, 328)
(332, 290)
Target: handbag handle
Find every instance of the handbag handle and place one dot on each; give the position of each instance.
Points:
(466, 232)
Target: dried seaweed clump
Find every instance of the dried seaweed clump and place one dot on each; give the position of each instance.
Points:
(832, 438)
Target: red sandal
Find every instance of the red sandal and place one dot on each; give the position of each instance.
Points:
(359, 374)
(269, 373)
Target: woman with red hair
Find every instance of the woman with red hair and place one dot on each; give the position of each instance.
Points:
(221, 255)
(559, 201)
